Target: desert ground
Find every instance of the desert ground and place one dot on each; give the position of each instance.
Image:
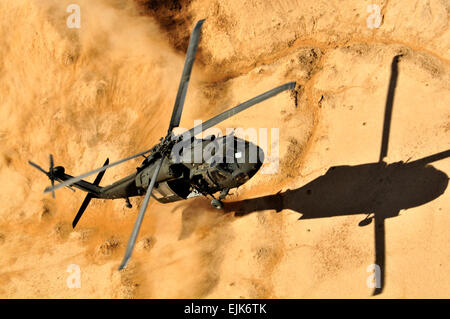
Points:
(362, 147)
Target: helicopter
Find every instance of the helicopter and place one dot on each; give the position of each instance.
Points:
(170, 172)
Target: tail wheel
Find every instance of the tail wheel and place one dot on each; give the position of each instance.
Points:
(217, 204)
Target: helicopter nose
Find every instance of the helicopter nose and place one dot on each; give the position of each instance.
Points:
(254, 158)
(259, 161)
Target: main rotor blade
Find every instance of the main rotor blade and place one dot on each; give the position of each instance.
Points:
(237, 109)
(38, 167)
(184, 82)
(80, 177)
(140, 217)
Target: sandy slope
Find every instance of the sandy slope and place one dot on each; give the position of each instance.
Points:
(107, 90)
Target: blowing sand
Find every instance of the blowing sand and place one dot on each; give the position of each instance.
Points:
(107, 90)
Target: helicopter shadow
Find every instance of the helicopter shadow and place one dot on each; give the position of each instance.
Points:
(377, 189)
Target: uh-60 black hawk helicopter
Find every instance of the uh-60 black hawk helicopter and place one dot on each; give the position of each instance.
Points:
(168, 172)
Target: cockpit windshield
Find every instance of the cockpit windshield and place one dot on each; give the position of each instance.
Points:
(218, 176)
(225, 167)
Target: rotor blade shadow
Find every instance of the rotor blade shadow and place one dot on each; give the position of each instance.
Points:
(379, 229)
(388, 108)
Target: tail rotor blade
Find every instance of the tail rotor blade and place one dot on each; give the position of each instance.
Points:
(38, 167)
(51, 162)
(52, 178)
(53, 185)
(137, 225)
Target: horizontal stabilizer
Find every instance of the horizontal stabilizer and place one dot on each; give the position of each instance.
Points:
(81, 210)
(88, 197)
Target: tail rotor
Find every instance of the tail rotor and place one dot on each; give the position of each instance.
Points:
(50, 174)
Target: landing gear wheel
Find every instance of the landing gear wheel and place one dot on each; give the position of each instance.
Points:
(217, 204)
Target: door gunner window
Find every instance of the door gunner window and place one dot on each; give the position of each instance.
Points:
(218, 176)
(225, 167)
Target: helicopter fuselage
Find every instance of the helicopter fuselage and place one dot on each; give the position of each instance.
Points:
(203, 167)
